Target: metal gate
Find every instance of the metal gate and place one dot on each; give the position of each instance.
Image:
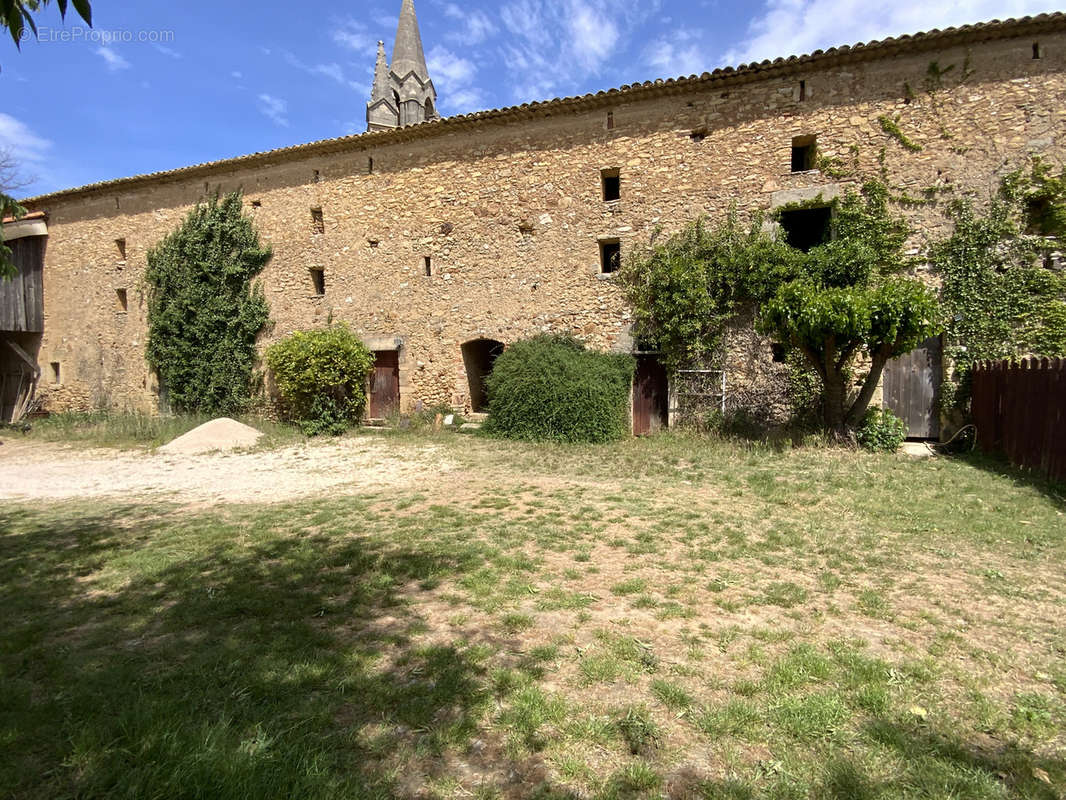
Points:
(911, 388)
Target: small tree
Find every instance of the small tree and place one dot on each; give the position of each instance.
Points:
(321, 377)
(9, 208)
(204, 312)
(841, 300)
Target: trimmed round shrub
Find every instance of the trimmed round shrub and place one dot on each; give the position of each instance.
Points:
(881, 431)
(321, 378)
(550, 388)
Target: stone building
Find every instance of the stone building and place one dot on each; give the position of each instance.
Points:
(441, 242)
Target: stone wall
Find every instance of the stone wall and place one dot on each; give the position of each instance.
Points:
(511, 214)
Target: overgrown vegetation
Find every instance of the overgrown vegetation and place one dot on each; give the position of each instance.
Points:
(1001, 300)
(321, 377)
(881, 431)
(844, 299)
(9, 207)
(550, 388)
(204, 312)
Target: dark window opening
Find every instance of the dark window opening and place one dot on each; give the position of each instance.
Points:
(779, 353)
(121, 245)
(370, 166)
(610, 256)
(612, 184)
(318, 221)
(479, 357)
(1039, 219)
(318, 280)
(427, 265)
(806, 228)
(803, 150)
(698, 135)
(373, 242)
(120, 296)
(429, 108)
(257, 204)
(610, 120)
(316, 176)
(55, 372)
(803, 91)
(1036, 50)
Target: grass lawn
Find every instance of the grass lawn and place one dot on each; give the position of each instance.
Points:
(664, 617)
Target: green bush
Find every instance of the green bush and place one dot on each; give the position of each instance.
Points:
(205, 312)
(881, 431)
(321, 378)
(550, 388)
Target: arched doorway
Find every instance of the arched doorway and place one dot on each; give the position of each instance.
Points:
(479, 357)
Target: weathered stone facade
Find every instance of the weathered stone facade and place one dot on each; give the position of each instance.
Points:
(509, 207)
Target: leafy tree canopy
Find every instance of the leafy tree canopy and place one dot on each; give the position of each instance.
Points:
(843, 298)
(204, 313)
(17, 15)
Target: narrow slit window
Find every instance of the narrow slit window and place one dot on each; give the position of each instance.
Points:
(427, 265)
(611, 180)
(55, 372)
(318, 222)
(120, 245)
(1036, 50)
(122, 300)
(318, 280)
(803, 153)
(610, 256)
(370, 166)
(803, 91)
(610, 120)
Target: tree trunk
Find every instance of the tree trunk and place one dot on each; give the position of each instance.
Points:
(835, 396)
(857, 411)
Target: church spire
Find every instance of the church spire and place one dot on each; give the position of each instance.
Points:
(407, 54)
(381, 90)
(403, 94)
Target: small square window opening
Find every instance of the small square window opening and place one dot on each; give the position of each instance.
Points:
(612, 184)
(806, 228)
(610, 256)
(803, 153)
(318, 280)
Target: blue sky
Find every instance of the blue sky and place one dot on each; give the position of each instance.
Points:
(182, 83)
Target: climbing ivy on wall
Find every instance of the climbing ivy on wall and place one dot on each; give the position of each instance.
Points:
(1002, 300)
(204, 312)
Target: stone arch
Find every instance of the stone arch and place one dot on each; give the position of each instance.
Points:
(479, 357)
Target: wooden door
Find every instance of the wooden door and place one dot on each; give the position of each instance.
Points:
(911, 387)
(651, 396)
(385, 384)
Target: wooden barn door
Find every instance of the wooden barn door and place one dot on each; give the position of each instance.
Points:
(651, 396)
(385, 384)
(912, 383)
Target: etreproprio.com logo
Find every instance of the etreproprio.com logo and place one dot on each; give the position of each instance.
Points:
(78, 33)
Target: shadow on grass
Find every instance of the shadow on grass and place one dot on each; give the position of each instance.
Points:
(236, 660)
(1021, 478)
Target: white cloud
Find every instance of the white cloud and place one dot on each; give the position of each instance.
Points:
(25, 146)
(167, 51)
(455, 78)
(795, 27)
(554, 45)
(475, 28)
(236, 74)
(333, 70)
(679, 54)
(355, 36)
(275, 108)
(114, 61)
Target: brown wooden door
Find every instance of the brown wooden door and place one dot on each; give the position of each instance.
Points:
(385, 384)
(650, 396)
(911, 387)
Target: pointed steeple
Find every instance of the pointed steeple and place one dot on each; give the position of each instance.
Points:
(407, 54)
(381, 89)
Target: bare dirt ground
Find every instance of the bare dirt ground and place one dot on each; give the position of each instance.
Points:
(40, 470)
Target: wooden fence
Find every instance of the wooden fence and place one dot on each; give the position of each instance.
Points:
(1019, 409)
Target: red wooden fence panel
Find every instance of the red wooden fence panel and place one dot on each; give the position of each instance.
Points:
(1019, 410)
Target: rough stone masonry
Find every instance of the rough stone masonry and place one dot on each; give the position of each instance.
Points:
(496, 225)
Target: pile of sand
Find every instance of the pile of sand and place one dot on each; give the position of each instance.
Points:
(218, 434)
